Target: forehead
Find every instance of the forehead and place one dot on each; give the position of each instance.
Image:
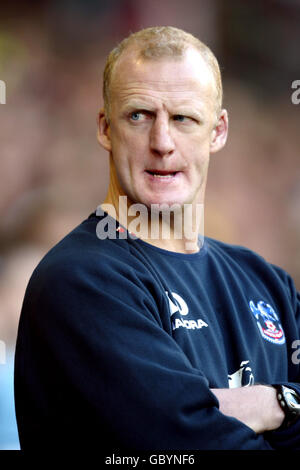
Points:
(167, 78)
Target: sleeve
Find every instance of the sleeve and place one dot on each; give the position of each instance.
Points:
(290, 438)
(99, 334)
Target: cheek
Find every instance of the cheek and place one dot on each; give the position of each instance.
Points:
(127, 155)
(196, 142)
(128, 146)
(197, 152)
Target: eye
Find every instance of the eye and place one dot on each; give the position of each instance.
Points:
(135, 116)
(186, 120)
(180, 118)
(139, 116)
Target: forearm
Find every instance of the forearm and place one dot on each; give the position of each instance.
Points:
(256, 406)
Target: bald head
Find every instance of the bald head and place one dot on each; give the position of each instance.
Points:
(159, 43)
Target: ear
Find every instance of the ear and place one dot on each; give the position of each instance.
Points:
(219, 133)
(103, 132)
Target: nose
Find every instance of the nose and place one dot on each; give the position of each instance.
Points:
(161, 141)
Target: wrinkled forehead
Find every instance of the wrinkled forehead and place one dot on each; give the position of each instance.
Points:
(164, 74)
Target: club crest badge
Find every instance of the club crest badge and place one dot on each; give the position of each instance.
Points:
(268, 322)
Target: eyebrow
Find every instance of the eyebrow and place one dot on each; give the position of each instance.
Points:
(139, 104)
(148, 105)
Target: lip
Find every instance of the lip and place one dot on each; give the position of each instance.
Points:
(161, 172)
(162, 176)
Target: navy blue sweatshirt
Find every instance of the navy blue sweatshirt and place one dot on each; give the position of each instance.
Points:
(119, 343)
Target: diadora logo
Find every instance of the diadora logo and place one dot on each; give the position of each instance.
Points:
(268, 322)
(179, 305)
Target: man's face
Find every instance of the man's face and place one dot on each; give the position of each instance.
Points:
(162, 128)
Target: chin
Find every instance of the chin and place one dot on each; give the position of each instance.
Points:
(167, 204)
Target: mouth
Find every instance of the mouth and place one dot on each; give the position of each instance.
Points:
(162, 174)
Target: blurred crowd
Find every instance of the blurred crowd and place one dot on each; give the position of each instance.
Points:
(54, 174)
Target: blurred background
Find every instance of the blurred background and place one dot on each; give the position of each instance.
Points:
(53, 173)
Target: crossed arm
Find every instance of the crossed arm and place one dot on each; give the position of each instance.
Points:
(256, 406)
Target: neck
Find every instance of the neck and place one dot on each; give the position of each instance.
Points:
(175, 228)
